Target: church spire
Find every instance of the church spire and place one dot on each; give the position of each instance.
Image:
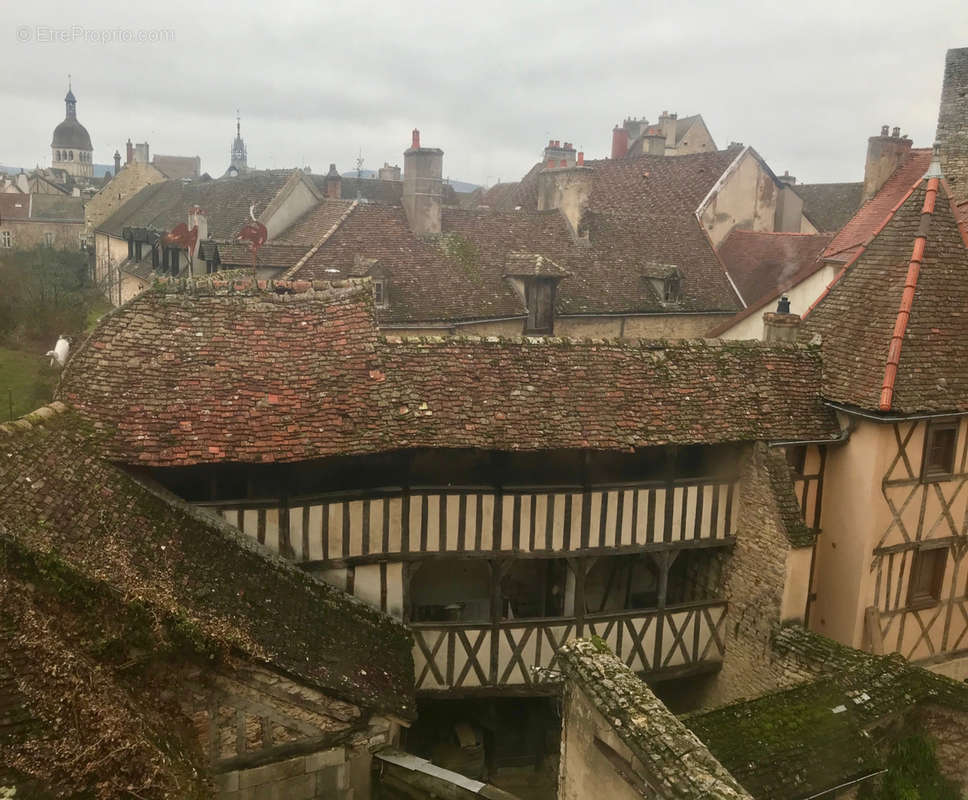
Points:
(70, 102)
(239, 155)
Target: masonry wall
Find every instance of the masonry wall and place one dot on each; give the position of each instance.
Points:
(949, 730)
(32, 233)
(952, 132)
(129, 181)
(759, 589)
(585, 772)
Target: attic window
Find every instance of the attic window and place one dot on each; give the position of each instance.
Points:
(672, 289)
(539, 295)
(380, 292)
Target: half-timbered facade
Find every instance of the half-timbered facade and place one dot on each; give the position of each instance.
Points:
(890, 570)
(500, 496)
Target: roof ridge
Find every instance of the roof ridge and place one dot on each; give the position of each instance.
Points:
(861, 248)
(907, 296)
(618, 342)
(289, 273)
(34, 419)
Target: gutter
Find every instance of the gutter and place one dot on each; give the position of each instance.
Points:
(845, 785)
(895, 417)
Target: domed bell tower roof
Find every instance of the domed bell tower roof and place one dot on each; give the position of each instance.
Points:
(70, 133)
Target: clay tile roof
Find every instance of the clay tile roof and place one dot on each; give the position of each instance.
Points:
(829, 206)
(226, 201)
(187, 376)
(14, 206)
(271, 255)
(305, 231)
(63, 502)
(868, 322)
(872, 214)
(763, 265)
(532, 264)
(677, 764)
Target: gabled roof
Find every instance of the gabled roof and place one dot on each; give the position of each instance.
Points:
(95, 524)
(176, 167)
(763, 265)
(829, 206)
(191, 375)
(872, 214)
(226, 201)
(894, 332)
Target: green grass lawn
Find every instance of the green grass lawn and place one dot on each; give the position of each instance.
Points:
(27, 379)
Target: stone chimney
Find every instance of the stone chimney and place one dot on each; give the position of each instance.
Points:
(389, 172)
(117, 162)
(333, 183)
(667, 124)
(423, 169)
(884, 155)
(635, 127)
(558, 154)
(620, 142)
(789, 206)
(952, 132)
(781, 325)
(787, 178)
(653, 141)
(567, 189)
(130, 147)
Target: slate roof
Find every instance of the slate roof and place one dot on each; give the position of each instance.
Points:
(373, 190)
(797, 742)
(675, 763)
(192, 376)
(71, 134)
(872, 214)
(63, 504)
(829, 206)
(176, 167)
(765, 265)
(226, 200)
(860, 314)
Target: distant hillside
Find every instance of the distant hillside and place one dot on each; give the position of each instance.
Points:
(100, 170)
(459, 186)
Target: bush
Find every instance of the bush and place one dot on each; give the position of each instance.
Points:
(913, 774)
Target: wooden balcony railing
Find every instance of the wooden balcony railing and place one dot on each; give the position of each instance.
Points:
(468, 656)
(373, 526)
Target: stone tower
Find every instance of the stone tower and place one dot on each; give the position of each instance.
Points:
(71, 147)
(952, 135)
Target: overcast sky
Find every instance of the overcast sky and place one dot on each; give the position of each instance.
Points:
(488, 82)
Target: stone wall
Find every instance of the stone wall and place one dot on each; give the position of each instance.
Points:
(949, 730)
(952, 132)
(128, 182)
(32, 233)
(323, 774)
(755, 584)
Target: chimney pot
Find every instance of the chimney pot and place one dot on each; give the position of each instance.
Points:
(415, 142)
(896, 132)
(783, 306)
(884, 130)
(581, 159)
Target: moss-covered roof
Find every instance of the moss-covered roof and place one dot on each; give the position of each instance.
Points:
(676, 763)
(800, 741)
(61, 501)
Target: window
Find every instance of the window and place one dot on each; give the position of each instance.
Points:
(451, 590)
(137, 250)
(48, 239)
(6, 239)
(380, 293)
(534, 587)
(940, 443)
(540, 299)
(130, 248)
(927, 576)
(672, 289)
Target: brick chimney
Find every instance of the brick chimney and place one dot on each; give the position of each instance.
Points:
(117, 162)
(781, 325)
(423, 169)
(884, 155)
(130, 148)
(333, 183)
(952, 133)
(620, 142)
